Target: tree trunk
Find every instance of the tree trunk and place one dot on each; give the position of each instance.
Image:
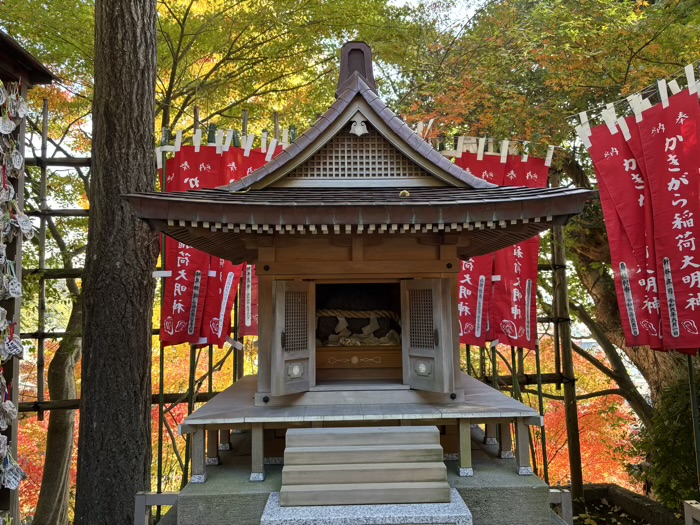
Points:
(114, 451)
(54, 498)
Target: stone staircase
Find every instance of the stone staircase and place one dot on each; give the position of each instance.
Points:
(363, 466)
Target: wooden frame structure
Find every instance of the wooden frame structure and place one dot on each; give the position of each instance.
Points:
(16, 65)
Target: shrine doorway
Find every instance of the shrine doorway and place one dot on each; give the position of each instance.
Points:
(358, 335)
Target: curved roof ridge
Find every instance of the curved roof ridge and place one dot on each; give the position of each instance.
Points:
(355, 86)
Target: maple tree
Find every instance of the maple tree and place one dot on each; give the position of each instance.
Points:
(523, 70)
(605, 421)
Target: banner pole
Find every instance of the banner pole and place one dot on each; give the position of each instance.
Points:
(469, 360)
(694, 408)
(161, 348)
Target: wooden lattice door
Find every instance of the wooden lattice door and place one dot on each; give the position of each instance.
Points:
(294, 338)
(426, 336)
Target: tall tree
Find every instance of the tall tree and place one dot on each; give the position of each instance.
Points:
(114, 451)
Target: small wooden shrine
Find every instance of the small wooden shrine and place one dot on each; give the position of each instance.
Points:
(358, 230)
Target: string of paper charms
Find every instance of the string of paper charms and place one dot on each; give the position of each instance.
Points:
(13, 224)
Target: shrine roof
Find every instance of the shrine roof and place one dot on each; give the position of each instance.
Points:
(484, 220)
(16, 63)
(357, 94)
(366, 172)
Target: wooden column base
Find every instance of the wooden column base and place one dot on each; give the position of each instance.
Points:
(465, 448)
(257, 471)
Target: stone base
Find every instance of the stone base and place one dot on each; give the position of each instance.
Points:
(525, 471)
(454, 513)
(257, 476)
(495, 494)
(490, 441)
(198, 478)
(212, 461)
(506, 454)
(466, 472)
(224, 446)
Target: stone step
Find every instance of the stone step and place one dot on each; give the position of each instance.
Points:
(364, 493)
(363, 473)
(362, 454)
(326, 437)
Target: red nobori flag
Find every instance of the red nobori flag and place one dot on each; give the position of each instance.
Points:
(622, 186)
(237, 165)
(186, 289)
(490, 168)
(475, 276)
(194, 170)
(474, 300)
(248, 320)
(622, 195)
(672, 157)
(216, 280)
(185, 292)
(532, 172)
(224, 278)
(514, 298)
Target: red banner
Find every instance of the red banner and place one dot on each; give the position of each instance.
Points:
(672, 157)
(620, 177)
(490, 168)
(506, 309)
(514, 297)
(224, 278)
(474, 300)
(532, 173)
(200, 293)
(236, 165)
(475, 276)
(249, 302)
(185, 293)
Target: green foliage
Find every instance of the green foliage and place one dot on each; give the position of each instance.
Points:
(669, 448)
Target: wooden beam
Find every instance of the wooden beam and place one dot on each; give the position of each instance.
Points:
(465, 448)
(528, 379)
(522, 448)
(212, 447)
(561, 311)
(74, 404)
(357, 249)
(199, 474)
(505, 441)
(257, 471)
(355, 267)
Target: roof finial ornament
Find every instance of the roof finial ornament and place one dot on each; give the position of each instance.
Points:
(359, 125)
(355, 57)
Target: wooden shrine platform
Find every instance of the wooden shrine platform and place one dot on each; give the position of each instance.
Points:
(359, 405)
(235, 406)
